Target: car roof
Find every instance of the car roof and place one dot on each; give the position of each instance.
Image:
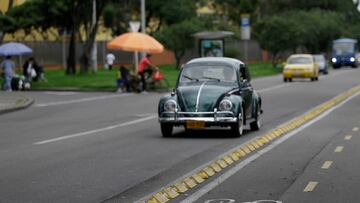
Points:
(301, 55)
(229, 61)
(345, 40)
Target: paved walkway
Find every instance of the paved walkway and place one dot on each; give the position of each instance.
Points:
(12, 101)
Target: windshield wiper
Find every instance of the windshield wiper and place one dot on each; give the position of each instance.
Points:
(210, 78)
(190, 78)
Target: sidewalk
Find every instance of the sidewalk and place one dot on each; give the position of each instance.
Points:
(12, 101)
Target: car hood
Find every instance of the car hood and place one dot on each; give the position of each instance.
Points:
(209, 96)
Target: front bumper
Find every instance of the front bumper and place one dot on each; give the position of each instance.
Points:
(216, 118)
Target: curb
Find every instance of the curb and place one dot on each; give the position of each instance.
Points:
(21, 103)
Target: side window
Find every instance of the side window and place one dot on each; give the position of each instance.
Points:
(244, 73)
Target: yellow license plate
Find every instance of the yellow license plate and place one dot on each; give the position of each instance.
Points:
(195, 124)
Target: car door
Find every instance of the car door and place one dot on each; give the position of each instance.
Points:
(246, 89)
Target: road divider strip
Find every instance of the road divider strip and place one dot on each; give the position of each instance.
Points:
(243, 151)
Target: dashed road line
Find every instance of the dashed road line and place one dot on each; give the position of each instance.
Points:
(95, 131)
(355, 129)
(80, 100)
(339, 149)
(326, 164)
(348, 137)
(310, 186)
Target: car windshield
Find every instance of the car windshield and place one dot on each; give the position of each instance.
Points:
(299, 60)
(319, 58)
(198, 73)
(343, 48)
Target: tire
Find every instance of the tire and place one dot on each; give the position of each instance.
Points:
(166, 129)
(317, 78)
(312, 79)
(255, 125)
(290, 79)
(285, 79)
(237, 129)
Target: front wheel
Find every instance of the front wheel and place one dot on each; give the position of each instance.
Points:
(166, 129)
(255, 125)
(237, 129)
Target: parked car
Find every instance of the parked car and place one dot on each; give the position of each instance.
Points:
(301, 66)
(211, 92)
(322, 63)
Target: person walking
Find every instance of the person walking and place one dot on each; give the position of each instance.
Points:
(110, 58)
(8, 67)
(145, 70)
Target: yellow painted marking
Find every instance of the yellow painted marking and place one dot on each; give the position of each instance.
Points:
(203, 175)
(171, 192)
(246, 149)
(241, 152)
(151, 201)
(160, 197)
(252, 148)
(254, 144)
(180, 187)
(265, 139)
(189, 182)
(339, 149)
(216, 167)
(348, 137)
(198, 178)
(310, 186)
(209, 171)
(222, 163)
(355, 129)
(259, 142)
(228, 160)
(326, 165)
(235, 156)
(268, 136)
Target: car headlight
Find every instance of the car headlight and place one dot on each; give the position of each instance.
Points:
(352, 59)
(225, 105)
(334, 60)
(170, 105)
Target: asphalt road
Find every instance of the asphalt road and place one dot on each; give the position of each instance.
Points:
(91, 147)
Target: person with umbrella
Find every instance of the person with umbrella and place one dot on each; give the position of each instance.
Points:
(8, 68)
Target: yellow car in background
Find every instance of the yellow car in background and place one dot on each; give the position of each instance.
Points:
(301, 66)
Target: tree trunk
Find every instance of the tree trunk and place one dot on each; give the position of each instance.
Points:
(274, 59)
(178, 56)
(71, 60)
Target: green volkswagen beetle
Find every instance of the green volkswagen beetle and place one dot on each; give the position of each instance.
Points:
(211, 92)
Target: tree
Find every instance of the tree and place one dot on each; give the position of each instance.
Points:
(232, 9)
(178, 37)
(276, 34)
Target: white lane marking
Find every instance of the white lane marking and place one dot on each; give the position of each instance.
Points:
(339, 149)
(348, 137)
(326, 165)
(355, 129)
(310, 186)
(273, 87)
(96, 130)
(217, 181)
(80, 100)
(61, 93)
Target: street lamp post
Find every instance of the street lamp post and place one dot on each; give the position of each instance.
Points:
(143, 23)
(94, 46)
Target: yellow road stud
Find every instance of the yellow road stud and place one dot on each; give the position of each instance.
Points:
(235, 156)
(189, 182)
(246, 149)
(152, 201)
(203, 175)
(198, 179)
(264, 139)
(160, 197)
(181, 187)
(252, 148)
(171, 192)
(209, 171)
(222, 163)
(228, 160)
(260, 142)
(269, 137)
(242, 152)
(254, 144)
(216, 167)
